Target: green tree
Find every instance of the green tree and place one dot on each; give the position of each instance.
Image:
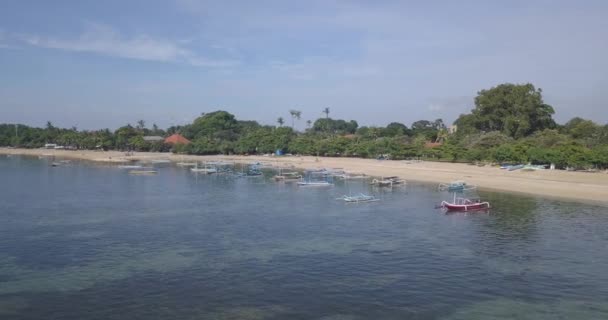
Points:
(515, 110)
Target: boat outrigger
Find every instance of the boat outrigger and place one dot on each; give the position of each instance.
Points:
(465, 205)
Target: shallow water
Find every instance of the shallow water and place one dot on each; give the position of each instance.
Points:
(91, 242)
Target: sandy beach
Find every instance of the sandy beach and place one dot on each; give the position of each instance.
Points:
(576, 186)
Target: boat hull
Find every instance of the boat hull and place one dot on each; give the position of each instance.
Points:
(465, 207)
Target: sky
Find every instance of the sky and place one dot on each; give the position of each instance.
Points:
(96, 64)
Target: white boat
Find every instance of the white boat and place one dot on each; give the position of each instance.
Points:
(130, 167)
(160, 161)
(186, 164)
(146, 172)
(456, 186)
(388, 182)
(351, 176)
(359, 198)
(205, 170)
(314, 184)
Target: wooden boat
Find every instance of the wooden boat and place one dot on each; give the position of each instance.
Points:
(388, 182)
(147, 172)
(359, 198)
(465, 205)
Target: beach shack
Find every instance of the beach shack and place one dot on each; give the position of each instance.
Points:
(176, 139)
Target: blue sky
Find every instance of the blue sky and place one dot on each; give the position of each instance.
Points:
(96, 64)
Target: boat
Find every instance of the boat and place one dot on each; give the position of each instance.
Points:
(388, 182)
(465, 205)
(55, 164)
(204, 170)
(314, 184)
(359, 198)
(186, 164)
(515, 167)
(530, 167)
(456, 186)
(158, 161)
(130, 167)
(351, 176)
(146, 172)
(288, 176)
(250, 173)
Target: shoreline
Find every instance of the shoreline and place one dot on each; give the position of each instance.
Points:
(556, 184)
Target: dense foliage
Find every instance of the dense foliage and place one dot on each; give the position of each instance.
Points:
(509, 124)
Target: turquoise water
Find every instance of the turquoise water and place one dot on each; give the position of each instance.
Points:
(84, 241)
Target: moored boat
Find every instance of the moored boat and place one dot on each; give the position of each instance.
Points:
(465, 205)
(456, 186)
(314, 184)
(359, 198)
(388, 182)
(147, 172)
(288, 176)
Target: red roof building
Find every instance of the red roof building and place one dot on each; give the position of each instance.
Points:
(177, 139)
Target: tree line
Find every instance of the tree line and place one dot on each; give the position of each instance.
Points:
(510, 123)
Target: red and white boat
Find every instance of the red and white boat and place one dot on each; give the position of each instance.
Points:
(465, 205)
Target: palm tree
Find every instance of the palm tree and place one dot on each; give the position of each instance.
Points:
(308, 123)
(280, 121)
(141, 124)
(295, 114)
(326, 111)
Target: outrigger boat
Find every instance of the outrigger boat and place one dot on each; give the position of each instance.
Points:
(143, 172)
(314, 184)
(186, 164)
(465, 205)
(388, 182)
(456, 186)
(351, 176)
(130, 167)
(358, 198)
(204, 170)
(288, 176)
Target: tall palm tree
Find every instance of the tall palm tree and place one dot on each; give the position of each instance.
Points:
(280, 121)
(141, 124)
(295, 114)
(326, 111)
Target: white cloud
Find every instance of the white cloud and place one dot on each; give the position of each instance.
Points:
(102, 39)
